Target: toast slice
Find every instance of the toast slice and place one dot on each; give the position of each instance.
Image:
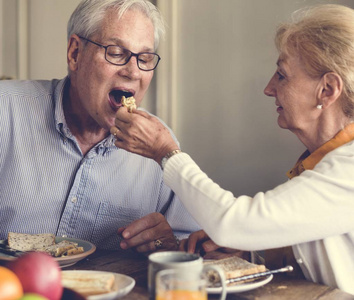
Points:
(88, 283)
(30, 242)
(233, 267)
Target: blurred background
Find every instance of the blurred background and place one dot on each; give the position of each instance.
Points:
(217, 58)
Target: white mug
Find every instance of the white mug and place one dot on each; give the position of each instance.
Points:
(188, 265)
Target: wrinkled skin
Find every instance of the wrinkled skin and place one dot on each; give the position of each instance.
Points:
(141, 234)
(143, 134)
(199, 242)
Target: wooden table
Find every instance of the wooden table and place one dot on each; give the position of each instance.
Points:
(135, 265)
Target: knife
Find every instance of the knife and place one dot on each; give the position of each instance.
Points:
(10, 251)
(260, 274)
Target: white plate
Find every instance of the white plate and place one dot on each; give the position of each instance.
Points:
(65, 261)
(123, 285)
(241, 287)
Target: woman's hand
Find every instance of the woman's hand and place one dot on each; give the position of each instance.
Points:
(199, 242)
(143, 134)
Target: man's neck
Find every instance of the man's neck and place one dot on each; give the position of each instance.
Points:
(86, 131)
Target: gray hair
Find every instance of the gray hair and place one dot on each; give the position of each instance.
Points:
(87, 17)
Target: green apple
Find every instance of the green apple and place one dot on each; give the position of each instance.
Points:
(31, 296)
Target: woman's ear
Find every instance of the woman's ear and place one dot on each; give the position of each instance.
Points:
(73, 52)
(331, 89)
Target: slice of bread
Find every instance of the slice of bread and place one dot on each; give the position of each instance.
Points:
(88, 283)
(30, 242)
(233, 267)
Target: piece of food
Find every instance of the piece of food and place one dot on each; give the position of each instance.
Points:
(88, 283)
(233, 267)
(42, 242)
(30, 242)
(39, 273)
(128, 103)
(63, 248)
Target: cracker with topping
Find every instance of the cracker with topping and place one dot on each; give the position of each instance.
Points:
(129, 103)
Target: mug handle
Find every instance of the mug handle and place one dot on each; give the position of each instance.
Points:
(221, 274)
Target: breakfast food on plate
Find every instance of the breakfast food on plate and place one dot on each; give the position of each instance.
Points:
(44, 242)
(233, 267)
(30, 242)
(88, 283)
(63, 248)
(128, 103)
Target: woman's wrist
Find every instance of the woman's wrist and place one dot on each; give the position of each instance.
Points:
(167, 156)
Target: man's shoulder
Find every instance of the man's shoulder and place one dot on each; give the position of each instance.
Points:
(28, 88)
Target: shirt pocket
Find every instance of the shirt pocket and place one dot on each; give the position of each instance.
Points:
(109, 218)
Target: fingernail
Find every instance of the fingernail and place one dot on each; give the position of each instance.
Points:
(123, 245)
(126, 234)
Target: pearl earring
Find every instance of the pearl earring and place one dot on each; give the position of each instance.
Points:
(319, 106)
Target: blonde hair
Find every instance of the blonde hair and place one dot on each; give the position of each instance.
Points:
(323, 37)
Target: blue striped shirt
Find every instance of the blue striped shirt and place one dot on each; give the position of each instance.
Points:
(47, 185)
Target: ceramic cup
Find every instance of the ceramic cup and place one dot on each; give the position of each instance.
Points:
(188, 266)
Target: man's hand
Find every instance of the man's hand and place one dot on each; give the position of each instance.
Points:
(199, 242)
(148, 234)
(143, 134)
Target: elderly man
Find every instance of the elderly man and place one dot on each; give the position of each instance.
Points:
(60, 170)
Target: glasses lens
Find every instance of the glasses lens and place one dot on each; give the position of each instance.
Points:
(117, 55)
(120, 56)
(148, 61)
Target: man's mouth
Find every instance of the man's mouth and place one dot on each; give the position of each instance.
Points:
(115, 98)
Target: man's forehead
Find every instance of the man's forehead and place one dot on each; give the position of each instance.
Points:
(116, 30)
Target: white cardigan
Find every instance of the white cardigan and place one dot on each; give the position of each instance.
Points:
(313, 212)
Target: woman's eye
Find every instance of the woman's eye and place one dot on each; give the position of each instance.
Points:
(280, 76)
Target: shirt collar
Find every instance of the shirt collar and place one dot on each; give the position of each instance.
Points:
(308, 161)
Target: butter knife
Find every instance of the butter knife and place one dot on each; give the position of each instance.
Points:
(260, 274)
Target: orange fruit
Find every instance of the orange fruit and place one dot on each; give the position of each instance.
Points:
(10, 285)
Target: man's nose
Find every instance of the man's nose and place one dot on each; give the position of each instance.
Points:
(131, 69)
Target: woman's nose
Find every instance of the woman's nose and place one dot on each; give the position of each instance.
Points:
(269, 90)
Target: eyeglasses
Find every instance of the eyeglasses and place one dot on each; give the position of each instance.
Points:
(120, 56)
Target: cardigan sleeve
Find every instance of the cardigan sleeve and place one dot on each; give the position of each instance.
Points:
(303, 209)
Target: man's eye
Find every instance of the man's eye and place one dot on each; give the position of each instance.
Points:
(145, 57)
(115, 51)
(117, 55)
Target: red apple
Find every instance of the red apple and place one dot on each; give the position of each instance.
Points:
(39, 273)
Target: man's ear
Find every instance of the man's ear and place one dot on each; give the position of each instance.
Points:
(331, 89)
(74, 47)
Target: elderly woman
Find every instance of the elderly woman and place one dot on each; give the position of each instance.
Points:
(313, 88)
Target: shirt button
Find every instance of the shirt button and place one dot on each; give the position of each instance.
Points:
(64, 236)
(74, 200)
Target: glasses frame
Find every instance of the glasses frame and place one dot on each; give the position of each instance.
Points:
(131, 54)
